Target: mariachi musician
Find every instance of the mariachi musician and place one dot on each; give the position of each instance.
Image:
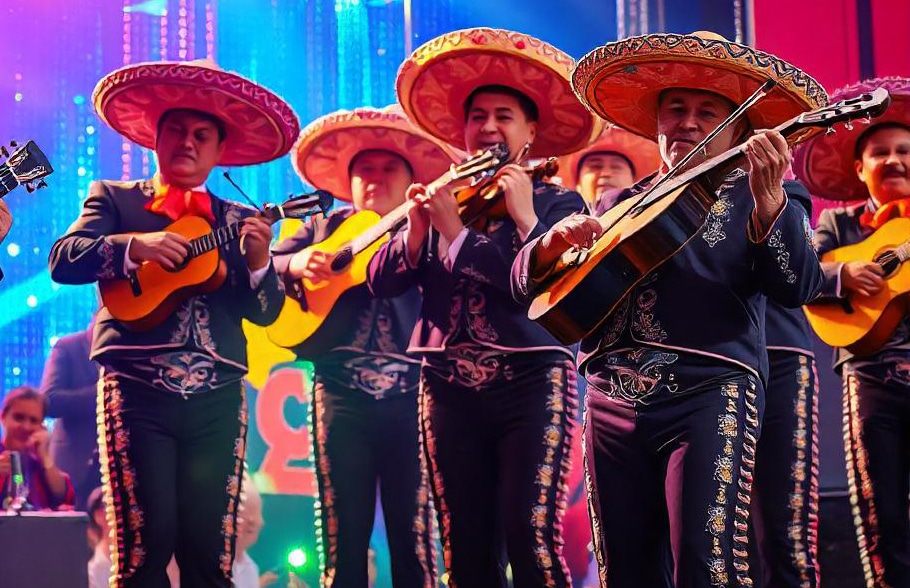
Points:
(171, 412)
(676, 372)
(497, 392)
(871, 164)
(365, 394)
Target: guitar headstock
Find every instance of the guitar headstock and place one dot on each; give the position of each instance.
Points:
(481, 167)
(299, 206)
(25, 165)
(868, 105)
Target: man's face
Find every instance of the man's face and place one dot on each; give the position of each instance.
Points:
(379, 180)
(600, 171)
(188, 148)
(884, 164)
(495, 118)
(685, 117)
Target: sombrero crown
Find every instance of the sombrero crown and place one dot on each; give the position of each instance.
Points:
(435, 81)
(259, 125)
(826, 165)
(325, 149)
(622, 81)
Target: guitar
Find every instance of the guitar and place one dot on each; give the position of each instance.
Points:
(585, 287)
(360, 236)
(863, 324)
(26, 166)
(151, 293)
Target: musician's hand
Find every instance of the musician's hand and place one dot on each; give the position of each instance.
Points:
(768, 156)
(6, 220)
(311, 264)
(577, 231)
(5, 464)
(862, 277)
(442, 209)
(519, 194)
(267, 579)
(418, 221)
(255, 237)
(167, 249)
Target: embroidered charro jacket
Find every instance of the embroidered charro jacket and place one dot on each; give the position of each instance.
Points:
(839, 227)
(363, 343)
(787, 329)
(201, 345)
(471, 305)
(700, 314)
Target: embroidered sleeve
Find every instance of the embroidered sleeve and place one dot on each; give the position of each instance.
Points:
(389, 274)
(92, 248)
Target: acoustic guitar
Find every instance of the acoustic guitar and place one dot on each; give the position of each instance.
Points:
(641, 233)
(360, 236)
(863, 324)
(145, 298)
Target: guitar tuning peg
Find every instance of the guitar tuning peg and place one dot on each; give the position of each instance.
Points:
(848, 125)
(30, 187)
(4, 151)
(41, 184)
(13, 144)
(830, 131)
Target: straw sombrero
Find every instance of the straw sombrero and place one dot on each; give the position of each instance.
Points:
(622, 81)
(259, 125)
(322, 155)
(642, 153)
(826, 165)
(436, 80)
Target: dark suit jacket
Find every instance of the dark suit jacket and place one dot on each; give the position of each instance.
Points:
(70, 386)
(94, 247)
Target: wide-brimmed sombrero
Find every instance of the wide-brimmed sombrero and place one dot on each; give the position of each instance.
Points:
(622, 81)
(825, 164)
(436, 80)
(322, 155)
(643, 154)
(259, 125)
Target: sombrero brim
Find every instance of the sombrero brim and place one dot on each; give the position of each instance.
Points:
(259, 125)
(643, 153)
(436, 80)
(622, 81)
(323, 153)
(825, 164)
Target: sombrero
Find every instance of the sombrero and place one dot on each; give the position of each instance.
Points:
(322, 155)
(642, 153)
(259, 125)
(622, 81)
(436, 80)
(825, 164)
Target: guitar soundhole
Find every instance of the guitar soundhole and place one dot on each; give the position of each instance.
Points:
(180, 266)
(889, 262)
(342, 259)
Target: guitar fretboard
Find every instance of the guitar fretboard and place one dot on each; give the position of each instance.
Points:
(215, 239)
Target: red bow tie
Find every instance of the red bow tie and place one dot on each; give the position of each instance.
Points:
(176, 203)
(894, 209)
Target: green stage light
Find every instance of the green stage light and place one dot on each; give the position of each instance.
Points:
(297, 558)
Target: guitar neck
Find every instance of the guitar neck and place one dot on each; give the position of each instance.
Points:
(391, 220)
(215, 239)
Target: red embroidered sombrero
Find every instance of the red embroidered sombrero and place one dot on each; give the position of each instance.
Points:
(435, 81)
(643, 153)
(260, 126)
(622, 81)
(825, 164)
(323, 153)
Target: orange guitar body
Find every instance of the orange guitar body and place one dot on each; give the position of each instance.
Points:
(162, 291)
(863, 324)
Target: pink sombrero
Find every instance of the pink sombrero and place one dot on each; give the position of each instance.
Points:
(436, 80)
(322, 155)
(825, 164)
(260, 125)
(643, 153)
(622, 81)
